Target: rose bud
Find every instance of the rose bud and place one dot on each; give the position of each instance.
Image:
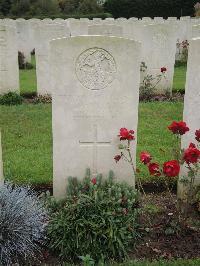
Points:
(117, 158)
(94, 181)
(145, 157)
(163, 69)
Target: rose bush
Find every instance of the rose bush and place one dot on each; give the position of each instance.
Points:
(170, 170)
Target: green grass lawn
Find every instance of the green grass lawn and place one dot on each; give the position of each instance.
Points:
(28, 82)
(179, 78)
(27, 138)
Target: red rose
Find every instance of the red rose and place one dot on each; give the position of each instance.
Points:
(126, 134)
(178, 127)
(163, 69)
(94, 181)
(117, 158)
(171, 168)
(154, 169)
(191, 154)
(145, 157)
(197, 134)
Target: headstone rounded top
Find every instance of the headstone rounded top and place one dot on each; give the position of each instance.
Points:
(95, 68)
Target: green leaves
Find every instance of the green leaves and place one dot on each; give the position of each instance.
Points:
(94, 221)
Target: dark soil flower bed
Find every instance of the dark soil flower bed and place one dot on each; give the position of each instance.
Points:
(165, 237)
(162, 237)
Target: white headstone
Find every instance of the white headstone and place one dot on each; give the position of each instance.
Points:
(159, 19)
(96, 21)
(34, 24)
(9, 22)
(95, 82)
(147, 19)
(24, 38)
(172, 19)
(44, 34)
(47, 21)
(9, 69)
(196, 31)
(78, 27)
(159, 50)
(107, 30)
(191, 113)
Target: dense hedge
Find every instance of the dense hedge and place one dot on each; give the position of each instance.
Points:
(77, 16)
(150, 8)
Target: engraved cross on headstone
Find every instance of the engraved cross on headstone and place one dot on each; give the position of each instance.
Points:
(95, 144)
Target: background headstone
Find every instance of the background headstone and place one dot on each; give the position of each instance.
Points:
(196, 31)
(24, 38)
(159, 50)
(9, 69)
(43, 35)
(107, 30)
(95, 81)
(78, 27)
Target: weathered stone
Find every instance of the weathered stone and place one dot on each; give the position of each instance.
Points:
(9, 70)
(95, 81)
(43, 35)
(107, 30)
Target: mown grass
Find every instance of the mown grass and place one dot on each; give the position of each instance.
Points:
(27, 143)
(28, 81)
(27, 138)
(179, 78)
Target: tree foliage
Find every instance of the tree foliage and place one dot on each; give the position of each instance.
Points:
(150, 8)
(48, 7)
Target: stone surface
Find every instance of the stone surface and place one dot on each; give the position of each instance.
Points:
(9, 70)
(107, 30)
(34, 24)
(24, 38)
(43, 35)
(191, 114)
(95, 92)
(196, 31)
(78, 27)
(158, 50)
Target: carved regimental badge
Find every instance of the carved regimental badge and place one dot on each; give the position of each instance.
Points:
(96, 68)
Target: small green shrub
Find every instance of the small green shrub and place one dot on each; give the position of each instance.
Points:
(11, 98)
(98, 218)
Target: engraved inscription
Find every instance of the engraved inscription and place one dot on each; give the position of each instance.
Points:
(96, 68)
(94, 143)
(160, 40)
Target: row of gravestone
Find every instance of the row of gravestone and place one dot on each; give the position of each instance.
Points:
(158, 38)
(95, 92)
